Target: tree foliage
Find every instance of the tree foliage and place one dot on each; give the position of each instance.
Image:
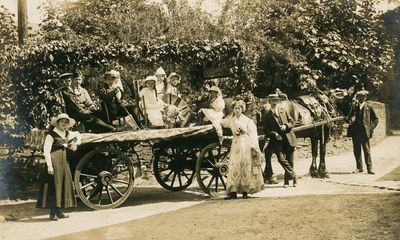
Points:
(306, 43)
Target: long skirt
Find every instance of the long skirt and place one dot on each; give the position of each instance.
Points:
(245, 174)
(57, 190)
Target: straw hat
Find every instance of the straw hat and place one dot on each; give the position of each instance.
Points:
(150, 78)
(160, 71)
(362, 93)
(62, 116)
(215, 89)
(65, 75)
(273, 96)
(113, 73)
(172, 75)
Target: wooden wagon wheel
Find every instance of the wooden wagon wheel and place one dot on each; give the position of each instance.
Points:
(212, 168)
(174, 167)
(104, 178)
(180, 104)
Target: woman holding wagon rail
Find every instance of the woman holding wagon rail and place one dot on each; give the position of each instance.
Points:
(245, 174)
(56, 190)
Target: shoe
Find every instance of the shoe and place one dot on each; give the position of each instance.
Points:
(230, 196)
(53, 217)
(295, 181)
(371, 172)
(119, 129)
(286, 185)
(61, 215)
(245, 196)
(358, 171)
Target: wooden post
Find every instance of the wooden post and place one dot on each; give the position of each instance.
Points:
(22, 22)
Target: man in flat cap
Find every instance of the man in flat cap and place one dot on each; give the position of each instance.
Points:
(277, 124)
(363, 120)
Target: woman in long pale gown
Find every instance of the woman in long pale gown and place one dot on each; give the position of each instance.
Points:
(245, 174)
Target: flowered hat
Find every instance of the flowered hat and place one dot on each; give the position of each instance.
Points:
(215, 89)
(273, 96)
(65, 75)
(62, 116)
(150, 78)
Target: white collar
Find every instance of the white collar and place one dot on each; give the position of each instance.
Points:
(62, 134)
(362, 105)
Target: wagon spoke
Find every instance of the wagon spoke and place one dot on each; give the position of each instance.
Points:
(88, 185)
(116, 190)
(88, 175)
(121, 181)
(216, 184)
(179, 178)
(222, 181)
(173, 179)
(109, 195)
(204, 178)
(184, 174)
(209, 184)
(100, 194)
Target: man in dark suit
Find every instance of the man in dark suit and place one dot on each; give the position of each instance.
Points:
(277, 124)
(362, 120)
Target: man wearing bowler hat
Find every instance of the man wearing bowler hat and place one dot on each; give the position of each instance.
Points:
(363, 120)
(277, 125)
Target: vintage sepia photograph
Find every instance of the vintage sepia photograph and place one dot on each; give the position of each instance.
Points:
(199, 119)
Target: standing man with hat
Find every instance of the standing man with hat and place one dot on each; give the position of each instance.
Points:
(277, 125)
(363, 120)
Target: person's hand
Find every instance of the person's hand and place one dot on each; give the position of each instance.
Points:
(278, 137)
(283, 127)
(87, 111)
(50, 170)
(73, 146)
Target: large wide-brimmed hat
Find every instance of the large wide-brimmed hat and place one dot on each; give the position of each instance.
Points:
(160, 71)
(65, 75)
(113, 73)
(174, 75)
(150, 78)
(273, 96)
(62, 116)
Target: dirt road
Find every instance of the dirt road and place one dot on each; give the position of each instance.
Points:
(344, 206)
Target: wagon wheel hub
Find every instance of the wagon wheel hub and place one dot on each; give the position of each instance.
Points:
(105, 177)
(221, 168)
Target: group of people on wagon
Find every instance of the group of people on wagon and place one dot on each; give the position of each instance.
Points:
(80, 105)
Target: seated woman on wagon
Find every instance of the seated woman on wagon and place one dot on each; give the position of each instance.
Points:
(80, 106)
(216, 106)
(152, 104)
(110, 93)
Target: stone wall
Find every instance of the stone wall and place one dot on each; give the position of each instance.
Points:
(381, 130)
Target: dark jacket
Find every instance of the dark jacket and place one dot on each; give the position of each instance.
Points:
(271, 126)
(366, 121)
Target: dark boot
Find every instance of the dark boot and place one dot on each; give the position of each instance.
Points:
(245, 196)
(53, 215)
(60, 214)
(230, 196)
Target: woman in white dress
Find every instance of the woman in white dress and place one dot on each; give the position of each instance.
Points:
(153, 105)
(245, 174)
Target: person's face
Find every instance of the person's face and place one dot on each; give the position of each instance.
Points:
(68, 82)
(214, 94)
(361, 98)
(62, 124)
(160, 77)
(150, 84)
(273, 102)
(237, 110)
(110, 79)
(77, 81)
(174, 81)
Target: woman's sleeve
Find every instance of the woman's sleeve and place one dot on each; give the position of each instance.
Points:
(48, 143)
(77, 135)
(252, 131)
